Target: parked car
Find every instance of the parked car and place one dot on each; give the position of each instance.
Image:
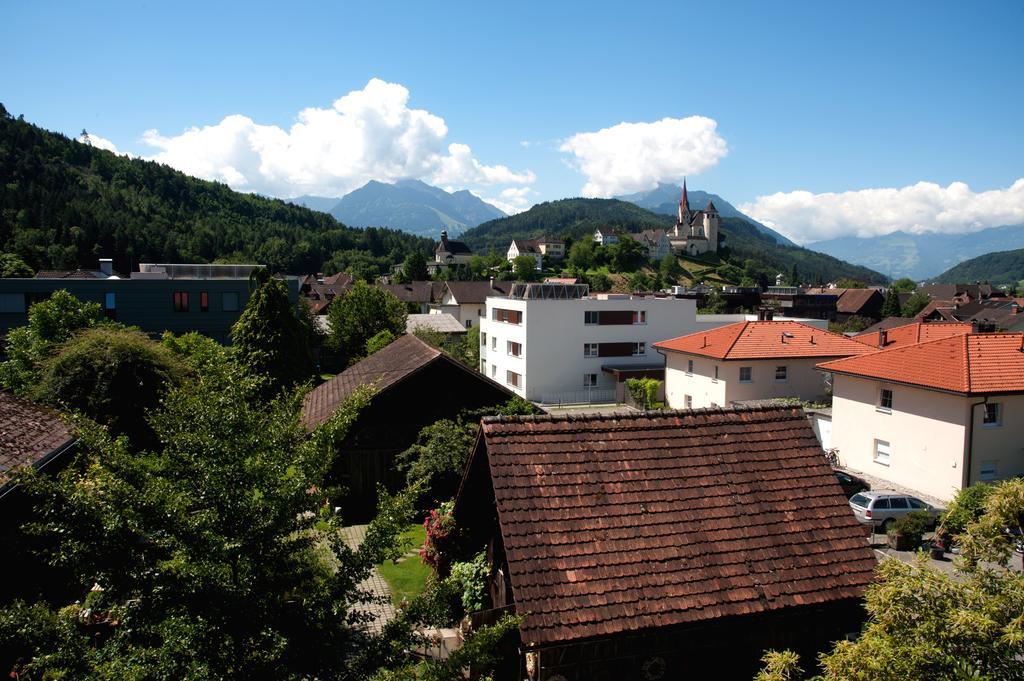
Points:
(851, 484)
(881, 507)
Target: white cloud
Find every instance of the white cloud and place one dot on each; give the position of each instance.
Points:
(631, 157)
(923, 207)
(512, 200)
(369, 134)
(98, 142)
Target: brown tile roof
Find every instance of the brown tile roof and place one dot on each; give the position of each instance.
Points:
(969, 364)
(888, 323)
(764, 340)
(526, 246)
(621, 523)
(914, 332)
(423, 292)
(858, 300)
(29, 433)
(382, 369)
(476, 292)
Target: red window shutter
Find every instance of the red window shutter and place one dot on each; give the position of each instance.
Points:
(615, 317)
(615, 350)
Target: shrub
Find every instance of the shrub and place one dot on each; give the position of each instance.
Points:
(440, 527)
(966, 507)
(471, 578)
(912, 525)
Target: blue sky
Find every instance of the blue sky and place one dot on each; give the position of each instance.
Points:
(801, 106)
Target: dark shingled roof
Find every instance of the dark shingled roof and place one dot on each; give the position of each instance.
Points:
(621, 523)
(29, 434)
(422, 292)
(382, 369)
(476, 292)
(855, 300)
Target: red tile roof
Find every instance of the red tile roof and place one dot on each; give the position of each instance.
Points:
(915, 332)
(969, 364)
(621, 523)
(29, 432)
(764, 340)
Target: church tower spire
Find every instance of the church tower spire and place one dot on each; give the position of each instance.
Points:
(683, 219)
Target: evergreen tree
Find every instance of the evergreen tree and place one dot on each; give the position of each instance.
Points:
(670, 269)
(891, 306)
(416, 267)
(270, 338)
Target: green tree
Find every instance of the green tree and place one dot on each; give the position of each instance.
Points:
(581, 254)
(891, 306)
(904, 285)
(524, 268)
(364, 312)
(380, 340)
(926, 624)
(599, 281)
(628, 254)
(640, 281)
(917, 302)
(670, 269)
(416, 267)
(50, 322)
(114, 376)
(794, 275)
(271, 339)
(11, 266)
(714, 303)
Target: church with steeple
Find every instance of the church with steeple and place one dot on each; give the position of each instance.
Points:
(695, 231)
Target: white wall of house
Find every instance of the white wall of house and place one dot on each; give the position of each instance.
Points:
(553, 334)
(802, 380)
(468, 314)
(927, 435)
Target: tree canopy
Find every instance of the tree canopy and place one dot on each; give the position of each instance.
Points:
(364, 312)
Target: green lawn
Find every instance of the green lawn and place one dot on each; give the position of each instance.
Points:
(408, 577)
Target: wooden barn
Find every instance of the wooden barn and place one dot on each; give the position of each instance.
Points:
(416, 384)
(664, 545)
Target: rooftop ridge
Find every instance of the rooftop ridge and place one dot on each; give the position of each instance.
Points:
(575, 418)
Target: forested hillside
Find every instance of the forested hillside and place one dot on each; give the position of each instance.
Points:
(64, 204)
(578, 218)
(1003, 267)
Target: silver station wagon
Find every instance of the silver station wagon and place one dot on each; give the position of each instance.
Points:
(881, 507)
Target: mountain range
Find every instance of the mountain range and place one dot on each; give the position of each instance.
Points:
(664, 199)
(921, 256)
(1003, 267)
(409, 205)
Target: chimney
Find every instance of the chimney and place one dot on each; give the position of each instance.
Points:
(883, 338)
(107, 267)
(492, 283)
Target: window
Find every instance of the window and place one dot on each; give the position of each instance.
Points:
(715, 377)
(688, 401)
(590, 349)
(204, 301)
(988, 470)
(639, 349)
(882, 452)
(898, 503)
(507, 316)
(469, 323)
(229, 301)
(746, 375)
(917, 504)
(640, 317)
(494, 343)
(514, 349)
(589, 380)
(780, 374)
(483, 339)
(689, 367)
(991, 417)
(494, 371)
(12, 302)
(885, 400)
(512, 378)
(110, 305)
(181, 301)
(882, 504)
(591, 317)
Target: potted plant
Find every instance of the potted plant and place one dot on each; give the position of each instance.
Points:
(906, 532)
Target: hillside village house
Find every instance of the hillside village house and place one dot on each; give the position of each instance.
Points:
(755, 360)
(655, 243)
(449, 253)
(605, 236)
(662, 545)
(540, 248)
(207, 298)
(466, 300)
(935, 416)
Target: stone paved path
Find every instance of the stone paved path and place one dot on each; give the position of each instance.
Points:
(382, 612)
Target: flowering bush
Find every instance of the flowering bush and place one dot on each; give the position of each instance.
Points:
(440, 526)
(471, 577)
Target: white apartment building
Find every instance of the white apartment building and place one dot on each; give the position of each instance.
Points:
(555, 343)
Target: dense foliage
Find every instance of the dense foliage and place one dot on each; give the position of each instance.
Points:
(50, 322)
(1003, 267)
(363, 313)
(112, 375)
(64, 204)
(270, 338)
